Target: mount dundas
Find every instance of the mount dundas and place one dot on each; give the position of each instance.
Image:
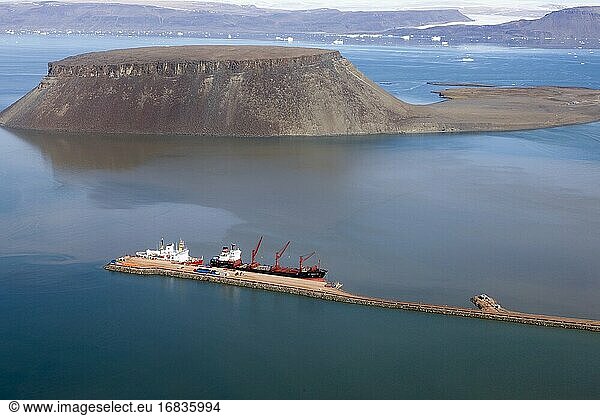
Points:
(266, 91)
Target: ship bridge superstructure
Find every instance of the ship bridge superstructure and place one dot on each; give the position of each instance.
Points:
(173, 252)
(229, 257)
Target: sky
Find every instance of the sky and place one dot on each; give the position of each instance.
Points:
(372, 4)
(483, 11)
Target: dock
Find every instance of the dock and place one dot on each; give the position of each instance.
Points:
(489, 308)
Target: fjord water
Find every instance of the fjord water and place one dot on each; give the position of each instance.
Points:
(434, 218)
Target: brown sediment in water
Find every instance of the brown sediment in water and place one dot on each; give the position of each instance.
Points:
(267, 91)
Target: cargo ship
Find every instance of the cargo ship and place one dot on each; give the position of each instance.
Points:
(231, 258)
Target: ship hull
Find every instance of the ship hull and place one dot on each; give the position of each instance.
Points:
(318, 274)
(223, 264)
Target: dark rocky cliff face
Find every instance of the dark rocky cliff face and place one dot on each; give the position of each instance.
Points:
(176, 68)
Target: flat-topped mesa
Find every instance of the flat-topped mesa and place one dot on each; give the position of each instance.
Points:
(186, 60)
(266, 91)
(207, 90)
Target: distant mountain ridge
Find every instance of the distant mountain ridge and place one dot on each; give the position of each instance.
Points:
(579, 22)
(208, 17)
(571, 27)
(577, 26)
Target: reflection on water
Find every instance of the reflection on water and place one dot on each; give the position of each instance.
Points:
(419, 218)
(88, 152)
(410, 217)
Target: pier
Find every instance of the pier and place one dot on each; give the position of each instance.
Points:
(316, 289)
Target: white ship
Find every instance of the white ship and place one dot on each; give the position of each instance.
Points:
(173, 252)
(229, 257)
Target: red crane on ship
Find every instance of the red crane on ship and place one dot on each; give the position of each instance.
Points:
(253, 262)
(279, 254)
(304, 258)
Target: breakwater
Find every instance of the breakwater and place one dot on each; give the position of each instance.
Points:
(336, 295)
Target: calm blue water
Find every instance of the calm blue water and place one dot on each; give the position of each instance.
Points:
(430, 218)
